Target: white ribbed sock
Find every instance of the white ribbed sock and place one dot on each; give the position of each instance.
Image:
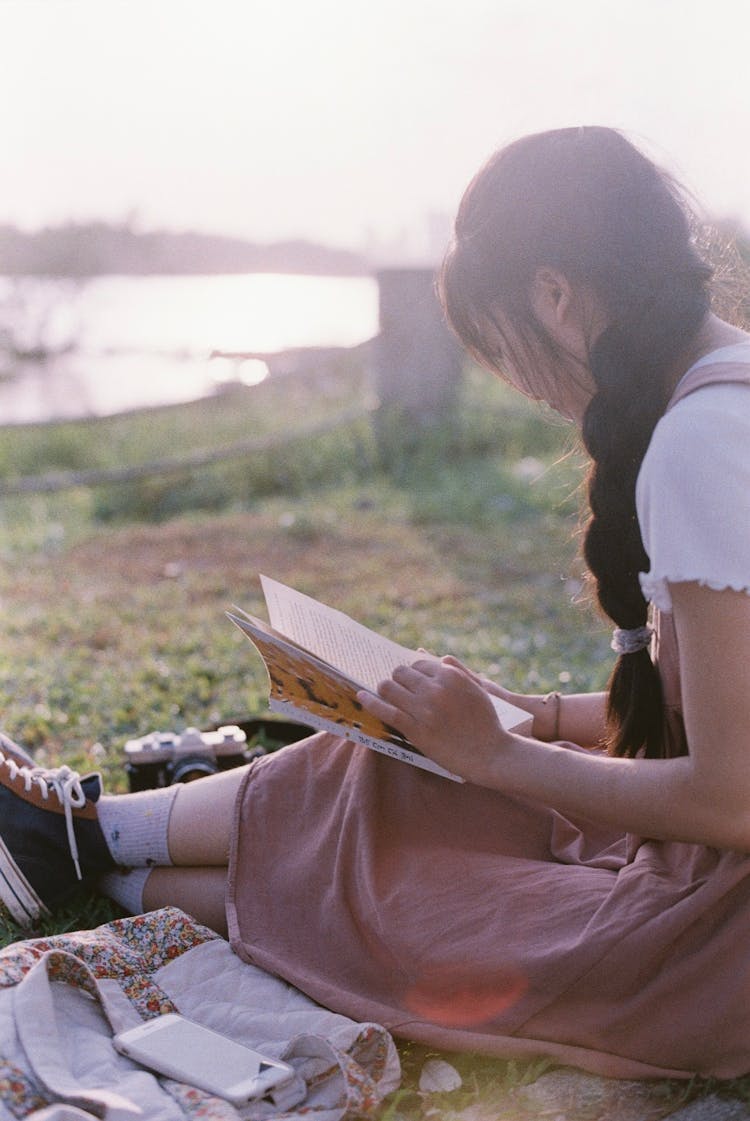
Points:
(126, 888)
(135, 826)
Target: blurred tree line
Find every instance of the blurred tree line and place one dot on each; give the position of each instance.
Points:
(98, 248)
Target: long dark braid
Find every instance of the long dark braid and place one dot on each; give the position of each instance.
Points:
(629, 368)
(587, 203)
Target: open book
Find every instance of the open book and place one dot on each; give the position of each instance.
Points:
(318, 659)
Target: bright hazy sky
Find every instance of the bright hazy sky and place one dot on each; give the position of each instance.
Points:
(328, 118)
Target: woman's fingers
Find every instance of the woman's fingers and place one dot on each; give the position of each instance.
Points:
(439, 707)
(402, 696)
(375, 704)
(406, 690)
(486, 683)
(414, 676)
(395, 716)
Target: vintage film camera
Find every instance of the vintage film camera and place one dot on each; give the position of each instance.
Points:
(163, 758)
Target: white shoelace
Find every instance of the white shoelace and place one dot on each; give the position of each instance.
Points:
(64, 783)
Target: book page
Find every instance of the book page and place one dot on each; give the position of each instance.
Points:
(333, 636)
(354, 649)
(306, 689)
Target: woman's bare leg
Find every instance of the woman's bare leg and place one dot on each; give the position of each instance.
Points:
(200, 824)
(195, 836)
(201, 892)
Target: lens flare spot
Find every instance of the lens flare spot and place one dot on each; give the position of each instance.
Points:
(456, 998)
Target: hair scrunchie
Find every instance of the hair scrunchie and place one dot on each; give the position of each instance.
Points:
(631, 641)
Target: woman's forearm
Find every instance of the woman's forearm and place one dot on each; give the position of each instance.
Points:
(578, 718)
(583, 718)
(703, 797)
(660, 799)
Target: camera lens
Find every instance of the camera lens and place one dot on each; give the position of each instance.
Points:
(191, 767)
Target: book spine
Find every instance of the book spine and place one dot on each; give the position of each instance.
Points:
(294, 712)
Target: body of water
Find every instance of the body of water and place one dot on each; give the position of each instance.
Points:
(128, 342)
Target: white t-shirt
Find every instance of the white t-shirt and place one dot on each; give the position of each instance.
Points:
(693, 489)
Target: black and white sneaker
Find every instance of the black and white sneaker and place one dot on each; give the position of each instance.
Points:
(50, 838)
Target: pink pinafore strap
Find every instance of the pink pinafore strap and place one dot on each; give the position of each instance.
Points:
(665, 650)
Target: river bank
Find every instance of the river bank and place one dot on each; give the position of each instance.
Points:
(103, 345)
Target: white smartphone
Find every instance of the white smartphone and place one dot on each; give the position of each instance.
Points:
(173, 1045)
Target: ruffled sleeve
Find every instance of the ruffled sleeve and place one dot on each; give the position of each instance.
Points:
(693, 494)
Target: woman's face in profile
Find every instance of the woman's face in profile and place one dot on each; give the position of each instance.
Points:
(539, 370)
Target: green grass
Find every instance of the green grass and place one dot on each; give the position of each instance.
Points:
(463, 540)
(150, 434)
(116, 627)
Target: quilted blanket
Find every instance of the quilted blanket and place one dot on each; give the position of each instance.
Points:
(63, 997)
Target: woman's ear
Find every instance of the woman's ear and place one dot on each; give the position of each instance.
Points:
(552, 300)
(570, 313)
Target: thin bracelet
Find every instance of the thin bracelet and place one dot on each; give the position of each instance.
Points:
(558, 703)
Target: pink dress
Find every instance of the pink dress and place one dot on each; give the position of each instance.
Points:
(468, 920)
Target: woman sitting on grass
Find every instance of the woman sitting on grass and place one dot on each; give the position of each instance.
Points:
(586, 893)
